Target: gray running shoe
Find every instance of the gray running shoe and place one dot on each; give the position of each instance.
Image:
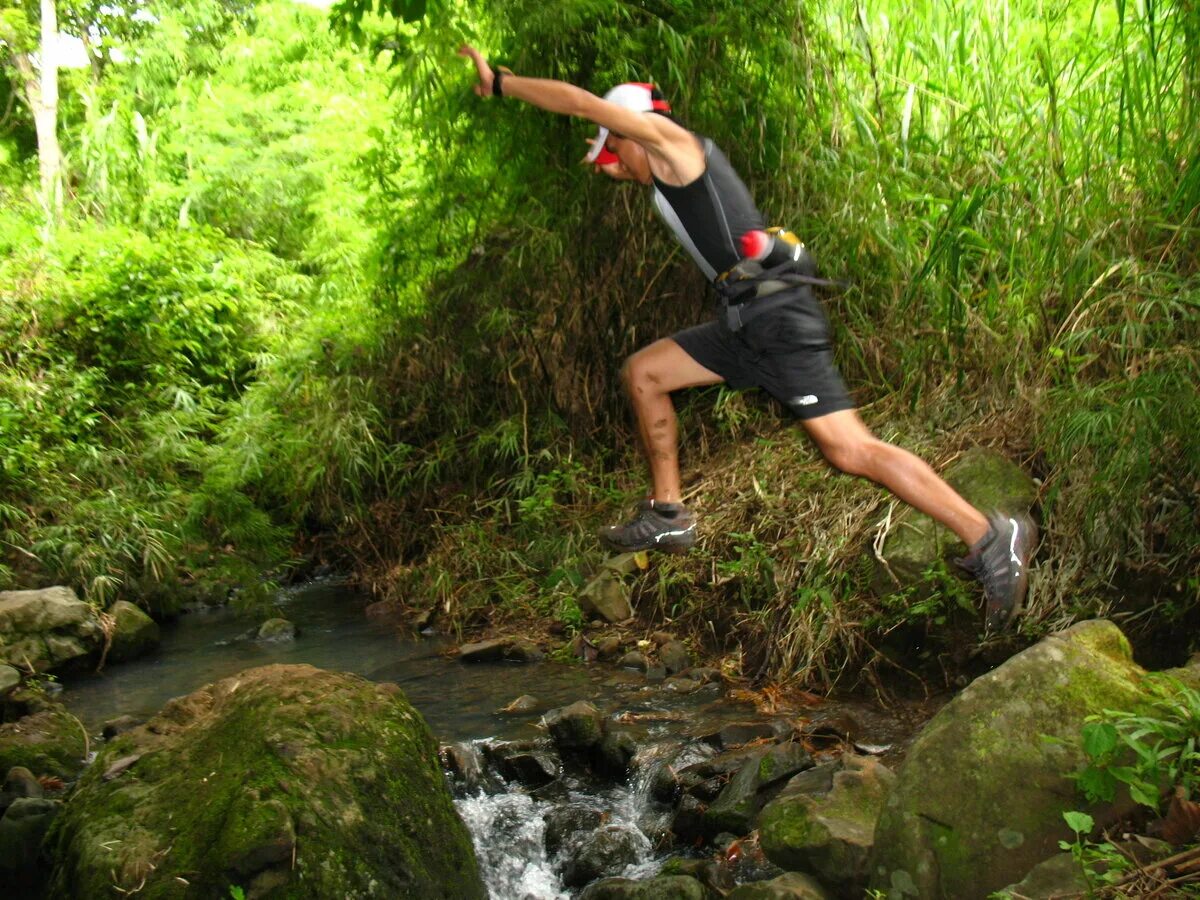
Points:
(669, 527)
(1000, 561)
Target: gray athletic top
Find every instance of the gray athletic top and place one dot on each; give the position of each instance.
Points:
(709, 215)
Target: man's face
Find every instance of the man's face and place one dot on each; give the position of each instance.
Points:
(632, 164)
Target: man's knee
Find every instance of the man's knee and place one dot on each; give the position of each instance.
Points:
(637, 374)
(854, 456)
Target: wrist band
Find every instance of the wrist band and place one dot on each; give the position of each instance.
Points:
(497, 91)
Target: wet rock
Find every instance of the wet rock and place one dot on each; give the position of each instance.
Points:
(674, 656)
(713, 875)
(276, 750)
(664, 887)
(531, 763)
(134, 632)
(47, 629)
(681, 685)
(615, 752)
(978, 801)
(18, 783)
(49, 742)
(605, 852)
(734, 734)
(608, 646)
(523, 704)
(511, 649)
(703, 674)
(830, 835)
(986, 479)
(656, 674)
(688, 822)
(1059, 876)
(22, 831)
(606, 597)
(276, 631)
(464, 762)
(119, 725)
(718, 767)
(739, 802)
(10, 678)
(634, 659)
(116, 767)
(577, 727)
(789, 886)
(566, 825)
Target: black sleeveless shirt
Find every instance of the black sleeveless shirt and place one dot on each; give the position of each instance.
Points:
(710, 214)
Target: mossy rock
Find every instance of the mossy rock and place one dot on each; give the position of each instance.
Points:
(829, 833)
(979, 799)
(789, 886)
(134, 632)
(664, 887)
(47, 629)
(47, 742)
(287, 781)
(987, 480)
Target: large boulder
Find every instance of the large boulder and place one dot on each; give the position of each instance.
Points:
(47, 629)
(979, 799)
(134, 632)
(986, 479)
(828, 829)
(284, 780)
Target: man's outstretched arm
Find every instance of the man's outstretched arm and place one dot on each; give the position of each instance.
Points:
(656, 133)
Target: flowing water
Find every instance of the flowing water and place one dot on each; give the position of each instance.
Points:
(460, 702)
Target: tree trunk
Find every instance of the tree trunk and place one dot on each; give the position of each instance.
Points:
(45, 117)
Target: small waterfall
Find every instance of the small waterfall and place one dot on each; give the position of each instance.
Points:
(508, 827)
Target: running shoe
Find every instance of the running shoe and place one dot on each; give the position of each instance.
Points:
(669, 527)
(1000, 561)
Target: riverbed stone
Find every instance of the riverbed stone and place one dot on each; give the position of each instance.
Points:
(789, 886)
(1059, 876)
(119, 725)
(985, 478)
(606, 597)
(47, 629)
(736, 807)
(567, 824)
(714, 874)
(674, 656)
(10, 678)
(615, 752)
(634, 659)
(829, 834)
(134, 632)
(509, 649)
(979, 798)
(607, 851)
(283, 778)
(579, 726)
(525, 762)
(276, 631)
(22, 830)
(663, 887)
(48, 742)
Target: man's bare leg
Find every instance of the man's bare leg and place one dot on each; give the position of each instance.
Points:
(850, 446)
(650, 375)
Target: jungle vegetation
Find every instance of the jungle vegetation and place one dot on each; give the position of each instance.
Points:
(309, 299)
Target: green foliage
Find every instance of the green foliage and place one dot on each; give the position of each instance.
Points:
(1148, 753)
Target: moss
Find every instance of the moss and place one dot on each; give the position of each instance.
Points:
(49, 742)
(241, 768)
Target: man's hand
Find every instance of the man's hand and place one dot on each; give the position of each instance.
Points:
(486, 76)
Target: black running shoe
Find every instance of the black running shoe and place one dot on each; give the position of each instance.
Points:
(669, 527)
(1000, 561)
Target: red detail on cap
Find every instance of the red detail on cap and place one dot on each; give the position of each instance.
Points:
(655, 103)
(605, 158)
(755, 244)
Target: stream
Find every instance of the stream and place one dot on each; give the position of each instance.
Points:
(462, 703)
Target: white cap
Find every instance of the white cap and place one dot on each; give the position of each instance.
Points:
(634, 96)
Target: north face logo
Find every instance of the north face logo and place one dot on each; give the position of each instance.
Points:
(806, 400)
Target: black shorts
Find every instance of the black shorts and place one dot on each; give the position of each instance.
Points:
(786, 351)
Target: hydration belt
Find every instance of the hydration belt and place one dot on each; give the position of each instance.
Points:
(746, 289)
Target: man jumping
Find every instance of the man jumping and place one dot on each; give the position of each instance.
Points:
(772, 332)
